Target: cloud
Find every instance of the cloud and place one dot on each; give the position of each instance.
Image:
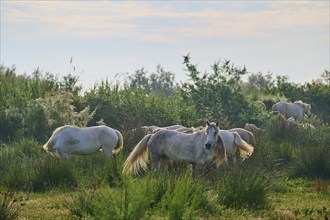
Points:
(165, 21)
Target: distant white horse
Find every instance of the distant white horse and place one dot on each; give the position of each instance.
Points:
(69, 140)
(246, 135)
(234, 145)
(296, 109)
(252, 128)
(197, 148)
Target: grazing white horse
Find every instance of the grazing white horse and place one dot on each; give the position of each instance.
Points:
(246, 135)
(252, 128)
(234, 145)
(69, 140)
(296, 109)
(197, 148)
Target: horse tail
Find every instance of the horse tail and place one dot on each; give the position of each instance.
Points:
(244, 148)
(138, 157)
(120, 143)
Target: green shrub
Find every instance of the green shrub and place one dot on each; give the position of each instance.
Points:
(114, 170)
(15, 157)
(51, 173)
(27, 148)
(313, 162)
(244, 188)
(81, 205)
(132, 201)
(183, 197)
(285, 151)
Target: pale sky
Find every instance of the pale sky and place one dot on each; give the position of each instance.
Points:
(109, 37)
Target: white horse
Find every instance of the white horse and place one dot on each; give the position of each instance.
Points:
(296, 109)
(67, 140)
(197, 148)
(252, 128)
(234, 145)
(246, 135)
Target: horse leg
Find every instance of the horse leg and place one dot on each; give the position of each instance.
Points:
(192, 167)
(157, 167)
(107, 152)
(156, 159)
(60, 155)
(64, 156)
(234, 161)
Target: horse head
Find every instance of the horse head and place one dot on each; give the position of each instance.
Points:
(212, 132)
(307, 109)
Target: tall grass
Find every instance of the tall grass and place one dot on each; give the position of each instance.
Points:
(183, 198)
(245, 186)
(8, 209)
(15, 163)
(53, 174)
(313, 162)
(179, 197)
(129, 202)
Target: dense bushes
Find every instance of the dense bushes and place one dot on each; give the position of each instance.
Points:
(313, 163)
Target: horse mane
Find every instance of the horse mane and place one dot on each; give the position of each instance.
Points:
(299, 102)
(304, 105)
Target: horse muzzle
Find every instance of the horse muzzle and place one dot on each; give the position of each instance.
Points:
(208, 146)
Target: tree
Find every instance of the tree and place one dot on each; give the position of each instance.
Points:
(160, 81)
(217, 95)
(259, 81)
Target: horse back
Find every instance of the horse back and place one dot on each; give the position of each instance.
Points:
(280, 107)
(176, 145)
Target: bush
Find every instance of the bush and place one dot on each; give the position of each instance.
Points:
(130, 202)
(115, 169)
(285, 151)
(244, 188)
(313, 162)
(184, 197)
(15, 157)
(51, 173)
(81, 205)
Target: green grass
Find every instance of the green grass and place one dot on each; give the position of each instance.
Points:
(298, 199)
